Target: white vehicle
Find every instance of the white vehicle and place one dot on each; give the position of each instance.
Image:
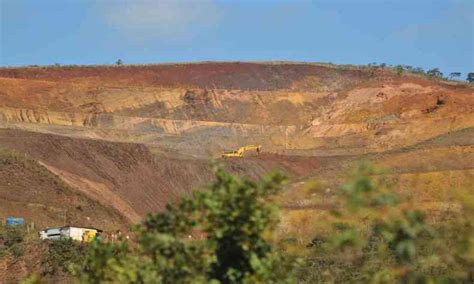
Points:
(75, 233)
(50, 234)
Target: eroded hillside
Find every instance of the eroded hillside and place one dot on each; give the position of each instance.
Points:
(133, 138)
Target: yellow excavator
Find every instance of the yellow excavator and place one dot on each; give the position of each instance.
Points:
(89, 236)
(241, 152)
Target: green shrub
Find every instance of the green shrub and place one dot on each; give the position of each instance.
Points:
(3, 252)
(233, 216)
(33, 279)
(17, 249)
(62, 255)
(14, 235)
(399, 70)
(13, 240)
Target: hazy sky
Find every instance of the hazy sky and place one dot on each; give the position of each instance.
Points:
(426, 33)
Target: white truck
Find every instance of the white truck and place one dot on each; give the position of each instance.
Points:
(76, 233)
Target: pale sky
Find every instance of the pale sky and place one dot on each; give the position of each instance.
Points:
(425, 33)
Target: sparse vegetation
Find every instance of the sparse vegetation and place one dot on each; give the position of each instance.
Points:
(377, 236)
(453, 75)
(470, 77)
(434, 73)
(11, 240)
(418, 70)
(399, 69)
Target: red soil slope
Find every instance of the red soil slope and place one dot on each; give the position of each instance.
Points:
(29, 190)
(105, 145)
(136, 137)
(127, 177)
(242, 76)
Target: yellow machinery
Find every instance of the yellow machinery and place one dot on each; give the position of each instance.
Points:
(89, 236)
(241, 152)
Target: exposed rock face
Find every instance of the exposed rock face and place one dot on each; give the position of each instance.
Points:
(139, 136)
(304, 111)
(104, 146)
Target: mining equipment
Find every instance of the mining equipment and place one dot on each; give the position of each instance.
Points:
(242, 151)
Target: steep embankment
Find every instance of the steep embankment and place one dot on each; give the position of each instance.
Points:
(127, 177)
(30, 190)
(124, 176)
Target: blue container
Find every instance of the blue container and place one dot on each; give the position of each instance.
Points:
(13, 221)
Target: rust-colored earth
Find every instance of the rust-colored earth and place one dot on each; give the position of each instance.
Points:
(103, 146)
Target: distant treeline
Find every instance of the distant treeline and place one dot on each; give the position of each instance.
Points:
(399, 69)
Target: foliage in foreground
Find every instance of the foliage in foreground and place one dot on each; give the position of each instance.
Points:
(61, 255)
(216, 235)
(378, 237)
